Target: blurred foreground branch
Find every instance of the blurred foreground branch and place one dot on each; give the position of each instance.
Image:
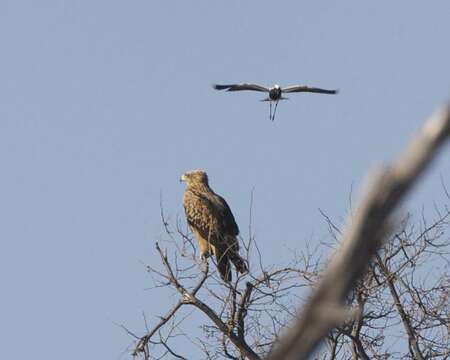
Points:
(362, 237)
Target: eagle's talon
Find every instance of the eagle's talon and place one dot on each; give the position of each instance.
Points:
(204, 257)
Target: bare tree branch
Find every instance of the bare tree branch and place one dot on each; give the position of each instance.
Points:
(242, 312)
(361, 238)
(412, 336)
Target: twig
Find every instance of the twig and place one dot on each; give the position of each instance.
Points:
(142, 343)
(412, 336)
(242, 312)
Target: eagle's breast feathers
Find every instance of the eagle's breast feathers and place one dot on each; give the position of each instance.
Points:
(210, 215)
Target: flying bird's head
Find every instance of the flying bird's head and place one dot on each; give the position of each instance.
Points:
(195, 177)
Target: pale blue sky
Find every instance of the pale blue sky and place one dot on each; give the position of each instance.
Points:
(103, 104)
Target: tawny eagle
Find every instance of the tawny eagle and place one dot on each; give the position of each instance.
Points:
(212, 223)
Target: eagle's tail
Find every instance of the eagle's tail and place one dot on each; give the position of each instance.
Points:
(223, 265)
(228, 254)
(239, 262)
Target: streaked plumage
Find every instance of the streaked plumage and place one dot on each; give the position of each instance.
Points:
(275, 92)
(212, 223)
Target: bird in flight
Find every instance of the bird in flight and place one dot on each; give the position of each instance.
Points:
(275, 92)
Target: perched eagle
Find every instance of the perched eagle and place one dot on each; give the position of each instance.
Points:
(212, 223)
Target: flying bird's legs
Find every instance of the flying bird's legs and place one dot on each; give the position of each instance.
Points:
(270, 112)
(275, 110)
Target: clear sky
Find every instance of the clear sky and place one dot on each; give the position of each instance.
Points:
(104, 104)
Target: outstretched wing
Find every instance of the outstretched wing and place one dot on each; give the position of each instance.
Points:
(240, 87)
(303, 88)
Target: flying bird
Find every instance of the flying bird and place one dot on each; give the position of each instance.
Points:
(275, 92)
(212, 223)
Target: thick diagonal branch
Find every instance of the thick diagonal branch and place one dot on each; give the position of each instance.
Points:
(361, 239)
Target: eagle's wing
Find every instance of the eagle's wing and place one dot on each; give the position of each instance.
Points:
(243, 86)
(303, 88)
(199, 213)
(210, 215)
(226, 216)
(228, 248)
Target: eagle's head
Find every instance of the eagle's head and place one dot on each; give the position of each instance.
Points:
(195, 177)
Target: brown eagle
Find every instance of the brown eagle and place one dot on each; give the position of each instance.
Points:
(212, 223)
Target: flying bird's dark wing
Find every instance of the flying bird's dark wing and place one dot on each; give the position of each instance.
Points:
(239, 87)
(302, 88)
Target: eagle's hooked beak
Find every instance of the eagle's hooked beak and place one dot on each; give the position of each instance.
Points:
(182, 178)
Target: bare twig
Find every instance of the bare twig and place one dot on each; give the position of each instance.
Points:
(412, 337)
(242, 312)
